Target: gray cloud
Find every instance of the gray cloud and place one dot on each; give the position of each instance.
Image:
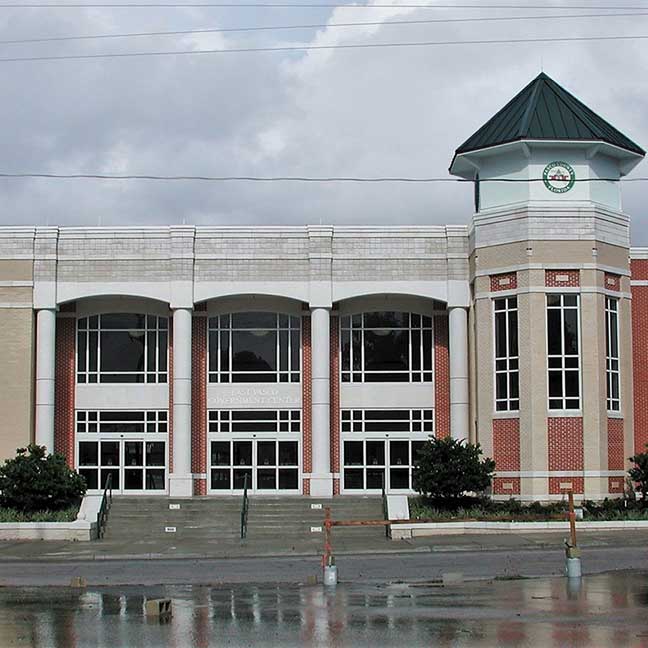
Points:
(367, 112)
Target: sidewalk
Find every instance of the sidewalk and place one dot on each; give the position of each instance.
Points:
(173, 546)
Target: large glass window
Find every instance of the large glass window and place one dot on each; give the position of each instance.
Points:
(612, 354)
(254, 347)
(563, 347)
(122, 348)
(254, 421)
(386, 346)
(507, 361)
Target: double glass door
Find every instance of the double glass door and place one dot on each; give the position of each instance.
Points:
(136, 465)
(270, 465)
(368, 462)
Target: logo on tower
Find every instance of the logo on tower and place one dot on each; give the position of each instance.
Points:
(558, 177)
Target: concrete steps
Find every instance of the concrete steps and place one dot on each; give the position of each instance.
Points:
(275, 521)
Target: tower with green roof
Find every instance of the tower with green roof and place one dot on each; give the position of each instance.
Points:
(549, 246)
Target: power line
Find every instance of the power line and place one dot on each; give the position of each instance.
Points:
(304, 179)
(276, 5)
(316, 26)
(303, 48)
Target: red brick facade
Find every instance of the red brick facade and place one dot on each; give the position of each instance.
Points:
(335, 401)
(505, 281)
(506, 453)
(441, 377)
(612, 282)
(307, 401)
(562, 278)
(639, 268)
(199, 402)
(65, 388)
(566, 452)
(506, 486)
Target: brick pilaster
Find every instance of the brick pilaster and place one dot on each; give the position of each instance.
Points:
(441, 377)
(65, 388)
(335, 401)
(639, 271)
(199, 401)
(307, 401)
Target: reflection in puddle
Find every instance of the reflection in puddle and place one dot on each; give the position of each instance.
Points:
(601, 611)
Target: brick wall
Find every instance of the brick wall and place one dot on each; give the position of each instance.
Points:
(565, 445)
(199, 401)
(335, 402)
(441, 377)
(65, 388)
(612, 281)
(562, 278)
(639, 271)
(307, 401)
(504, 281)
(506, 452)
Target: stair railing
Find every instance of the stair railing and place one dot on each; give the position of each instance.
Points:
(104, 508)
(385, 508)
(244, 508)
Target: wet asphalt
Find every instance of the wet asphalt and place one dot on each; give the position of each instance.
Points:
(602, 610)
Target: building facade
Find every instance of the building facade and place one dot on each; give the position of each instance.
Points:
(316, 360)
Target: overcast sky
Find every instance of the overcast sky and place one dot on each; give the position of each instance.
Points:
(369, 112)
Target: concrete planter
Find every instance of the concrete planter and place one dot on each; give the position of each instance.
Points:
(83, 529)
(416, 530)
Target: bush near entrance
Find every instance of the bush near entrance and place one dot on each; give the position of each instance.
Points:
(36, 481)
(639, 473)
(446, 469)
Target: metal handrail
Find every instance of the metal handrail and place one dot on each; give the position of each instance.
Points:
(244, 508)
(385, 508)
(104, 509)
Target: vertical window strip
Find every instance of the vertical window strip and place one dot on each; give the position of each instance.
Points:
(612, 368)
(506, 353)
(563, 349)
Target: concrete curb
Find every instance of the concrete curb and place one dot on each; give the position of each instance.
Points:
(424, 529)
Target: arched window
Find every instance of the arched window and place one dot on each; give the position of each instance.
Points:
(386, 346)
(254, 347)
(122, 348)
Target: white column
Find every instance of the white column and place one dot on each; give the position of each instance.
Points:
(459, 393)
(180, 480)
(321, 484)
(45, 372)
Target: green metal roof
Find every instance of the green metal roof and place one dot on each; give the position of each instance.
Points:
(546, 111)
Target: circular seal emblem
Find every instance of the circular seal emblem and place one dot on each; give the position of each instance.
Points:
(558, 177)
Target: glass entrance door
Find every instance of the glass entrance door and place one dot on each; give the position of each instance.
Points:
(270, 465)
(367, 462)
(135, 465)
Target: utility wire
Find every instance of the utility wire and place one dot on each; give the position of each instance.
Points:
(317, 26)
(303, 48)
(276, 5)
(305, 179)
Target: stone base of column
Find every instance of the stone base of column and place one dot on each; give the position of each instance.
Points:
(321, 485)
(181, 486)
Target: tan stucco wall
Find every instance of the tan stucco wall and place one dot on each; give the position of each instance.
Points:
(16, 270)
(16, 379)
(566, 253)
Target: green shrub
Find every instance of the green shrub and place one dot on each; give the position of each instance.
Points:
(36, 481)
(639, 472)
(65, 515)
(445, 469)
